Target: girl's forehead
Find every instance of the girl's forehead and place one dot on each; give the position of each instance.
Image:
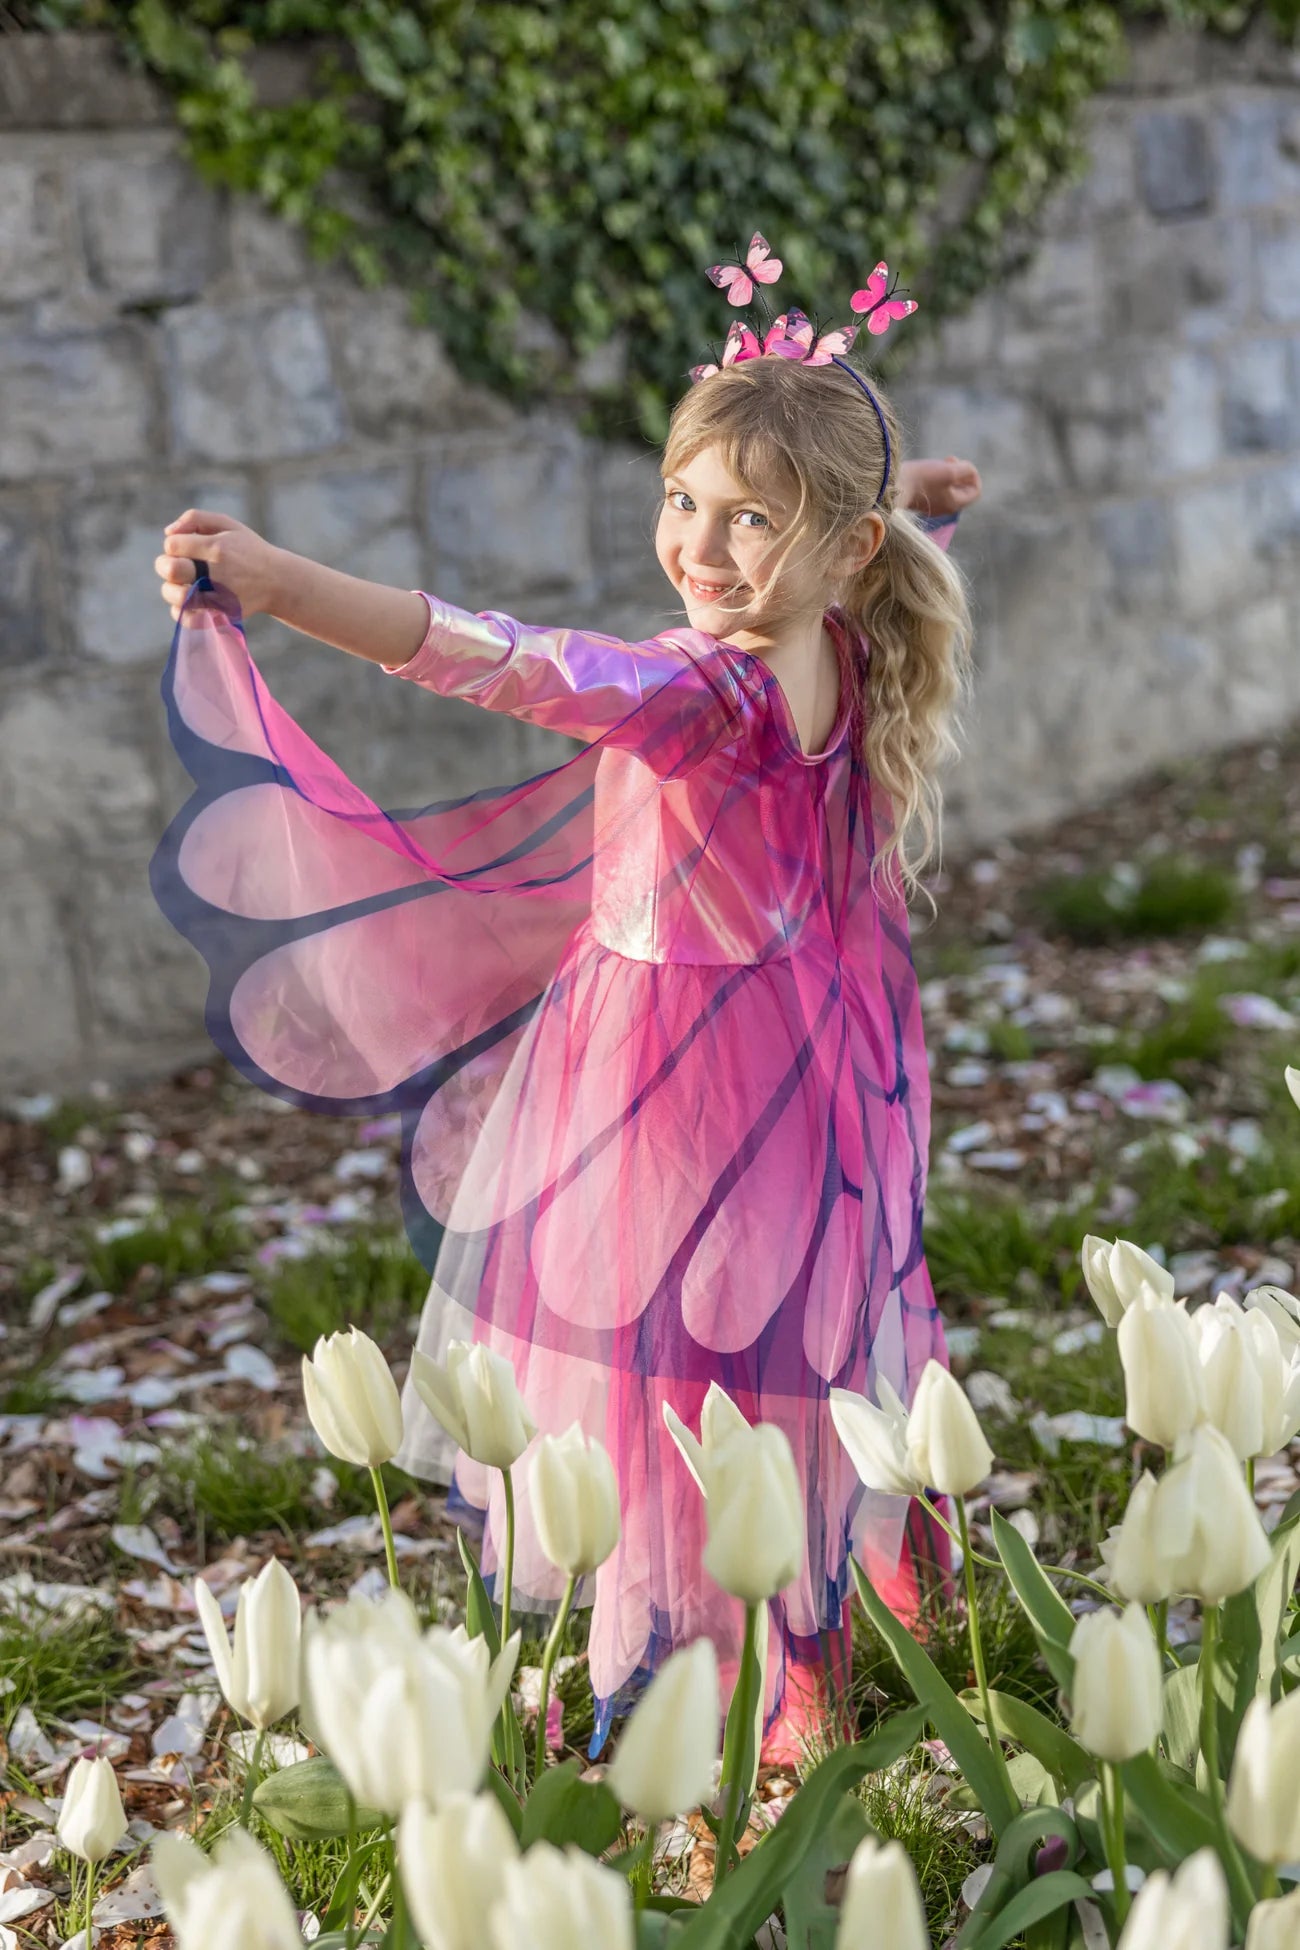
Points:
(707, 472)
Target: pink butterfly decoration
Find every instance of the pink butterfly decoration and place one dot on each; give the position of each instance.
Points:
(874, 299)
(738, 280)
(791, 337)
(742, 343)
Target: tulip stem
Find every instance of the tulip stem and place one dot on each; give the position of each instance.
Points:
(252, 1775)
(643, 1865)
(548, 1661)
(1243, 1895)
(1160, 1626)
(994, 1564)
(1250, 1476)
(390, 1549)
(1112, 1803)
(745, 1704)
(90, 1905)
(977, 1645)
(508, 1574)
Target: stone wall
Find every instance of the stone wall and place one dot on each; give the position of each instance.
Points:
(1133, 402)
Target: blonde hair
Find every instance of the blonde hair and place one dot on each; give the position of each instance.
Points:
(810, 431)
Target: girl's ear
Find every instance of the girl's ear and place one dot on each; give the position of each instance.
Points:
(863, 543)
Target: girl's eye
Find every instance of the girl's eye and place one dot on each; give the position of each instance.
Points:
(758, 518)
(676, 497)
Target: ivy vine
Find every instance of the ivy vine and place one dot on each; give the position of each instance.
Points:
(548, 179)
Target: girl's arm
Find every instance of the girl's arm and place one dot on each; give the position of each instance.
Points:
(367, 619)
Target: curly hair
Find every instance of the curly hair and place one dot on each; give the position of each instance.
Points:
(810, 433)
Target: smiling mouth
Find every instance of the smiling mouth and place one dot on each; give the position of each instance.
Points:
(710, 592)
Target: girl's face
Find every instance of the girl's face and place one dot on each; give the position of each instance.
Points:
(713, 541)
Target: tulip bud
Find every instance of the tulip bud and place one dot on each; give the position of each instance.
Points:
(882, 1900)
(1116, 1272)
(1282, 1308)
(231, 1900)
(1275, 1925)
(754, 1504)
(946, 1449)
(1162, 1374)
(1278, 1363)
(718, 1418)
(403, 1714)
(876, 1439)
(1206, 1521)
(1232, 1384)
(669, 1747)
(1293, 1082)
(574, 1501)
(352, 1399)
(1189, 1912)
(1117, 1696)
(1264, 1787)
(476, 1398)
(552, 1899)
(451, 1864)
(1137, 1566)
(260, 1680)
(92, 1820)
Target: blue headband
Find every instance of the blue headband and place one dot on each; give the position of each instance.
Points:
(855, 375)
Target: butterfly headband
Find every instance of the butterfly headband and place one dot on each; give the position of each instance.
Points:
(792, 335)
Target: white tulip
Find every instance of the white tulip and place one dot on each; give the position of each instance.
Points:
(352, 1399)
(876, 1439)
(946, 1449)
(1136, 1563)
(1189, 1912)
(1206, 1521)
(719, 1418)
(1264, 1787)
(1293, 1083)
(260, 1679)
(1275, 1925)
(1232, 1383)
(1117, 1695)
(553, 1899)
(1116, 1272)
(1282, 1308)
(403, 1714)
(1278, 1363)
(669, 1748)
(574, 1501)
(451, 1864)
(231, 1900)
(92, 1820)
(475, 1397)
(754, 1504)
(882, 1900)
(1162, 1371)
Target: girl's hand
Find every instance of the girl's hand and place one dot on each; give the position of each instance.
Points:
(939, 487)
(238, 558)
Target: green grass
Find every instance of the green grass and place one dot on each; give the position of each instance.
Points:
(901, 1807)
(1171, 897)
(61, 1667)
(1011, 1042)
(1010, 1652)
(191, 1240)
(997, 1245)
(33, 1393)
(1191, 1032)
(373, 1281)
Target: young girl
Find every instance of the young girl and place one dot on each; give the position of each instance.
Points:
(651, 1018)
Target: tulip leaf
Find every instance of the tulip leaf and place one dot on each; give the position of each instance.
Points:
(498, 1785)
(1182, 1716)
(1176, 1815)
(1038, 1899)
(752, 1891)
(309, 1802)
(563, 1809)
(1013, 1865)
(480, 1619)
(968, 1747)
(811, 1916)
(1065, 1760)
(1048, 1613)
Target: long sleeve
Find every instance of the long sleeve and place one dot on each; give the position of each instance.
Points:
(941, 528)
(671, 700)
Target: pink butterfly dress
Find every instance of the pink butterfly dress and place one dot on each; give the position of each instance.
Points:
(657, 1047)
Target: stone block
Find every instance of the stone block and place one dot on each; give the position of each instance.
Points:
(34, 261)
(1277, 261)
(251, 382)
(68, 401)
(1273, 510)
(1109, 187)
(74, 765)
(1007, 436)
(1134, 537)
(395, 376)
(113, 536)
(1261, 669)
(1195, 279)
(361, 520)
(147, 984)
(1250, 160)
(628, 495)
(75, 80)
(1175, 162)
(26, 618)
(40, 1029)
(151, 229)
(1096, 412)
(1214, 549)
(1261, 406)
(269, 255)
(510, 520)
(1183, 420)
(1159, 59)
